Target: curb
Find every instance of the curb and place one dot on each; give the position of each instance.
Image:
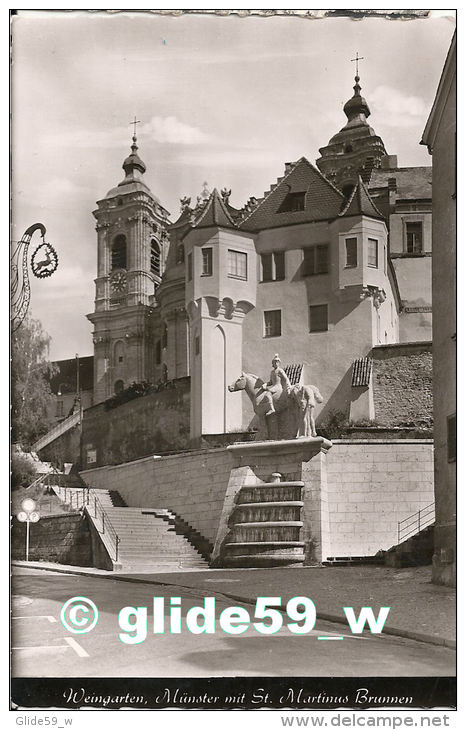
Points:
(401, 633)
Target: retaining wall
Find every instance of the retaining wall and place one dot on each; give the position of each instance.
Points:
(61, 538)
(371, 486)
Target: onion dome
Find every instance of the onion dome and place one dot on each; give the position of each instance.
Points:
(357, 105)
(134, 168)
(133, 161)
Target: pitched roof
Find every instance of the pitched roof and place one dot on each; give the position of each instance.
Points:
(214, 214)
(412, 183)
(322, 200)
(361, 203)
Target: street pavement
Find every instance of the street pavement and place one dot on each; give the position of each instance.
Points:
(42, 647)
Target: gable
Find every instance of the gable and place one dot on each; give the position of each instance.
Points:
(303, 195)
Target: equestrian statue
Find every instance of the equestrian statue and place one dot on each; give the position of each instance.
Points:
(277, 396)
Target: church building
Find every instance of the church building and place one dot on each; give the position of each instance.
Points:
(332, 261)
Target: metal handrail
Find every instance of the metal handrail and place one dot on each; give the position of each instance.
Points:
(93, 506)
(416, 522)
(56, 431)
(94, 503)
(41, 478)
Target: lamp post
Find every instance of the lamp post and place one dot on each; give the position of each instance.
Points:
(28, 515)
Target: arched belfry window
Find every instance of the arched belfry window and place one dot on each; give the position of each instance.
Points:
(119, 252)
(155, 257)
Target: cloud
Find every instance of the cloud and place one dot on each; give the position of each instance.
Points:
(165, 130)
(398, 109)
(170, 130)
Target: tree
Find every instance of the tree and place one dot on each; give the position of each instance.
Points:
(23, 472)
(31, 371)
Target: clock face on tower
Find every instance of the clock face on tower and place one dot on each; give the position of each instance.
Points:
(118, 282)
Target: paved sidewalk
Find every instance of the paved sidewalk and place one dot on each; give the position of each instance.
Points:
(419, 609)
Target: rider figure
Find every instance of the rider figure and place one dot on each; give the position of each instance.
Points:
(278, 380)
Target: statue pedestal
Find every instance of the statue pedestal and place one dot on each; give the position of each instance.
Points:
(267, 522)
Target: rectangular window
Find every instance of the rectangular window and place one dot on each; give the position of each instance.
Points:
(190, 267)
(414, 237)
(318, 318)
(451, 438)
(351, 252)
(273, 323)
(237, 264)
(315, 260)
(273, 266)
(373, 253)
(206, 262)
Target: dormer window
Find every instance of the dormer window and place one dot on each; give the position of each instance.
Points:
(292, 203)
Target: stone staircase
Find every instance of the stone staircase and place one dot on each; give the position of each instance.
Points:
(266, 526)
(415, 551)
(149, 540)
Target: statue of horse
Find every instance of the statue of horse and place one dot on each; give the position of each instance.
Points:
(306, 397)
(253, 385)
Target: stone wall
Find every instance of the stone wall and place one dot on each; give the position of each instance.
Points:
(193, 485)
(66, 448)
(371, 486)
(402, 384)
(149, 424)
(56, 538)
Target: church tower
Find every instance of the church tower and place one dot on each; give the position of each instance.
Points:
(131, 251)
(355, 150)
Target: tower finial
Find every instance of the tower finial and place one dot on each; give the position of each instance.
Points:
(357, 59)
(134, 122)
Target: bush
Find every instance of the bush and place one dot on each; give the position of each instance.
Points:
(23, 472)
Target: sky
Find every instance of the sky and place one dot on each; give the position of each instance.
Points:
(226, 100)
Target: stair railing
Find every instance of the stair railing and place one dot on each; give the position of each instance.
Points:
(416, 522)
(94, 508)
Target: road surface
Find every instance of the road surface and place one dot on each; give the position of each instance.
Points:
(42, 647)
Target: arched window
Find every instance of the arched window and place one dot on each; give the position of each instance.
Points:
(119, 252)
(119, 386)
(180, 254)
(164, 335)
(119, 353)
(154, 257)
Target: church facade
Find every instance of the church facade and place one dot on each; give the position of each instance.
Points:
(332, 261)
